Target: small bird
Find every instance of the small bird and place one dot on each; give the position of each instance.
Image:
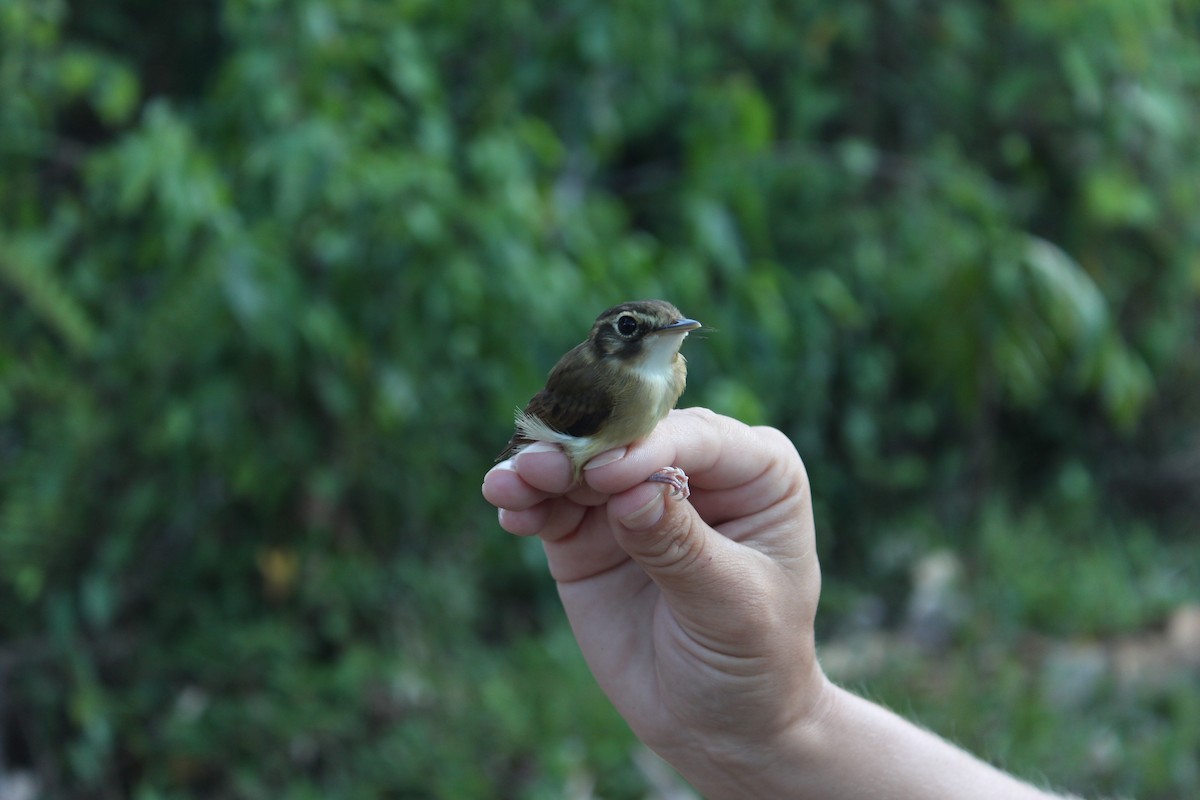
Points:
(612, 389)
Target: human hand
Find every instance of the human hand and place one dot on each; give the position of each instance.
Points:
(696, 617)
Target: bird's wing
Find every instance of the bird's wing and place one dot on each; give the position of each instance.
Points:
(571, 404)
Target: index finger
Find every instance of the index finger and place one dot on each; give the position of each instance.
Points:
(717, 453)
(748, 482)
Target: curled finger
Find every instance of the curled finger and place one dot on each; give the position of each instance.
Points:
(504, 488)
(550, 520)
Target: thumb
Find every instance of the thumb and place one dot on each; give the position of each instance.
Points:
(697, 569)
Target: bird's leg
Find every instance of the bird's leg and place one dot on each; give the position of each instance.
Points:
(674, 477)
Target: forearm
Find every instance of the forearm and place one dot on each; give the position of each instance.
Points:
(852, 748)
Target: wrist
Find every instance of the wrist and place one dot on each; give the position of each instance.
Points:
(770, 762)
(846, 746)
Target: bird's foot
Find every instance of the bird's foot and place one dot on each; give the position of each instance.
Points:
(674, 477)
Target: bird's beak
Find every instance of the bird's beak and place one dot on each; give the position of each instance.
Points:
(679, 326)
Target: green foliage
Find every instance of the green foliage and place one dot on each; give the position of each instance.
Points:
(1060, 674)
(273, 276)
(1122, 579)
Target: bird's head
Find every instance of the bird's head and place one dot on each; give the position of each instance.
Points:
(643, 332)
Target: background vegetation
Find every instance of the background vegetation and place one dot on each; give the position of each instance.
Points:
(273, 276)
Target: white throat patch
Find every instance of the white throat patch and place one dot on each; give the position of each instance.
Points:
(657, 363)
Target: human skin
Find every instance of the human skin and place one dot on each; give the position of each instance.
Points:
(696, 617)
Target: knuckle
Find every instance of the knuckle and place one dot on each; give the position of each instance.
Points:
(785, 455)
(677, 548)
(775, 438)
(700, 413)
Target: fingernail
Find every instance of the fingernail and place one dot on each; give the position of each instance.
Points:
(647, 516)
(606, 458)
(540, 447)
(506, 465)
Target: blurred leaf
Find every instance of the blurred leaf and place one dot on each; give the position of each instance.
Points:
(25, 265)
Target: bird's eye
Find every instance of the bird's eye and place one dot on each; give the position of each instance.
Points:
(627, 325)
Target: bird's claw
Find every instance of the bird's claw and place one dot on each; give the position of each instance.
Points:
(676, 478)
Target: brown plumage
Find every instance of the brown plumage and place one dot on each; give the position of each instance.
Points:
(611, 389)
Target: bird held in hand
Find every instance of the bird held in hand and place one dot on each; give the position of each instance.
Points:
(612, 389)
